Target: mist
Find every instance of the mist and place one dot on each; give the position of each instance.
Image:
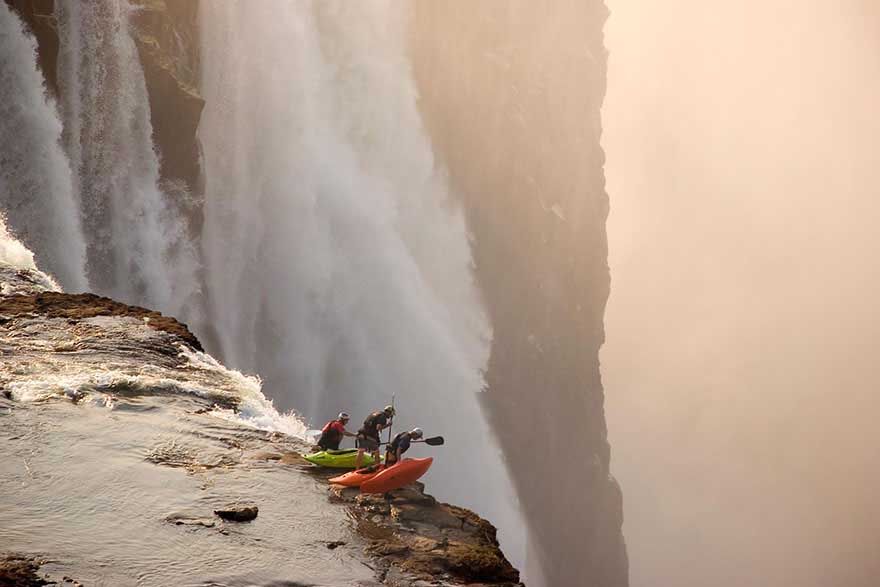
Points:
(741, 359)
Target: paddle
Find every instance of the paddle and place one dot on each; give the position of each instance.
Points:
(391, 423)
(433, 441)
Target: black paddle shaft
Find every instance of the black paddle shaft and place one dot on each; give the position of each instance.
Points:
(433, 441)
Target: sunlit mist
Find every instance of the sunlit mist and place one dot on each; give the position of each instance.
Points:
(741, 360)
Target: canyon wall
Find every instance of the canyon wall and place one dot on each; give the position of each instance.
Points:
(511, 93)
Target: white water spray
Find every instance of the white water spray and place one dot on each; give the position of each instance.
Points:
(138, 247)
(36, 186)
(338, 267)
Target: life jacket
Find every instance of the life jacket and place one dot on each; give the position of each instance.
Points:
(372, 422)
(395, 443)
(330, 436)
(391, 451)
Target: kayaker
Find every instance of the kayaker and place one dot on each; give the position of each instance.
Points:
(333, 432)
(400, 445)
(368, 436)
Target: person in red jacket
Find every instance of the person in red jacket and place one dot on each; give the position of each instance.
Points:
(334, 431)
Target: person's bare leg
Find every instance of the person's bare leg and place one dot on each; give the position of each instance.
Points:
(359, 458)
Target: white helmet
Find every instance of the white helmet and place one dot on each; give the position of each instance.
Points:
(416, 433)
(343, 416)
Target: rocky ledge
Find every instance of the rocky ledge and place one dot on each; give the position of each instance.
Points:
(20, 571)
(417, 541)
(82, 306)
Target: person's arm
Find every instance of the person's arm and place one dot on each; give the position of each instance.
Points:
(398, 455)
(347, 433)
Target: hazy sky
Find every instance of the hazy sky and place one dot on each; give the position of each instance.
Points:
(742, 365)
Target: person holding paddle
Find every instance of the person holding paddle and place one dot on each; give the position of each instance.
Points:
(368, 436)
(400, 445)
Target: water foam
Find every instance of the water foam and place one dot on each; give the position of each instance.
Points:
(98, 359)
(254, 408)
(24, 277)
(99, 384)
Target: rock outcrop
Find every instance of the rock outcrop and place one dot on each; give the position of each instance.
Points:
(416, 541)
(415, 538)
(76, 307)
(513, 109)
(166, 33)
(238, 513)
(19, 571)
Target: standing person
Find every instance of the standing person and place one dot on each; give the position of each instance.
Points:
(400, 445)
(334, 431)
(368, 436)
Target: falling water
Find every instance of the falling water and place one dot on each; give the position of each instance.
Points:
(138, 247)
(337, 265)
(36, 186)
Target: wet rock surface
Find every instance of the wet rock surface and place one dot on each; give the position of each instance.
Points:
(416, 540)
(19, 571)
(81, 306)
(238, 513)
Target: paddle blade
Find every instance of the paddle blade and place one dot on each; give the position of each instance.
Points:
(435, 441)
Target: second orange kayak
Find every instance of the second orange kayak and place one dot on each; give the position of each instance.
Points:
(356, 478)
(396, 476)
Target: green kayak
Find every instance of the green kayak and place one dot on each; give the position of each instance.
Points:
(338, 459)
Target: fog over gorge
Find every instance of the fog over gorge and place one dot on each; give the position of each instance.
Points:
(741, 361)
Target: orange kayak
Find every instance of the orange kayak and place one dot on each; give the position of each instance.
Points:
(355, 478)
(396, 476)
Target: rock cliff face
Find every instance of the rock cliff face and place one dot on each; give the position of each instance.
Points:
(513, 107)
(167, 38)
(168, 41)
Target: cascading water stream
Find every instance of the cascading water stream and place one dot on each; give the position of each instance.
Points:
(36, 185)
(337, 265)
(138, 247)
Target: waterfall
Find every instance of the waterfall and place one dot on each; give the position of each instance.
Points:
(138, 247)
(36, 185)
(338, 265)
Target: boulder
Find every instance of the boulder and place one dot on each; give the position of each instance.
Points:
(19, 571)
(238, 513)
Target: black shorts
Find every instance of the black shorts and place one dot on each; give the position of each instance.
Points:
(367, 443)
(329, 445)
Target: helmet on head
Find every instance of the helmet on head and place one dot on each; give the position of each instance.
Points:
(343, 416)
(389, 410)
(416, 433)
